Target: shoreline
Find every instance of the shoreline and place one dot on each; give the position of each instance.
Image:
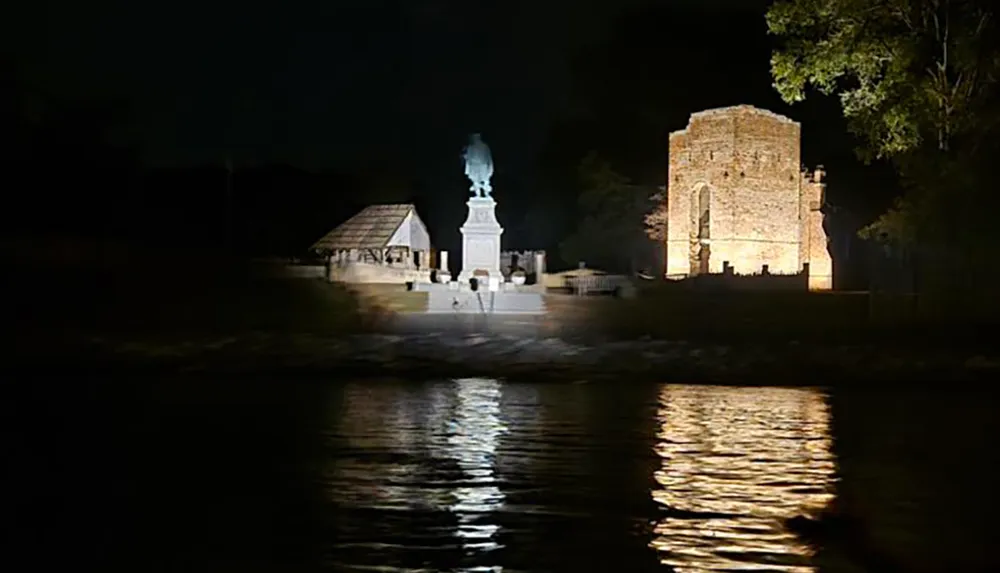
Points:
(431, 356)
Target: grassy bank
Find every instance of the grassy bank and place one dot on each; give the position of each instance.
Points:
(178, 298)
(393, 298)
(216, 315)
(728, 316)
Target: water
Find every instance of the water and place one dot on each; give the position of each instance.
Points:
(741, 461)
(456, 475)
(478, 475)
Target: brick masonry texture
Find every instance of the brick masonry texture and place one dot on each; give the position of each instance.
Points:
(742, 165)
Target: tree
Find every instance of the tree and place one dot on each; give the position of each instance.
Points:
(376, 187)
(907, 72)
(610, 207)
(916, 81)
(656, 220)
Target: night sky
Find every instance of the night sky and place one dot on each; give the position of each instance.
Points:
(398, 85)
(319, 84)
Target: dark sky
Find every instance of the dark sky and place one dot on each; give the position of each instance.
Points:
(322, 83)
(344, 85)
(316, 83)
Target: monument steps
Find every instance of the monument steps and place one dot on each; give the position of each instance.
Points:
(484, 302)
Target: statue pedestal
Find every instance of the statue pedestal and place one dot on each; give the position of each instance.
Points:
(481, 240)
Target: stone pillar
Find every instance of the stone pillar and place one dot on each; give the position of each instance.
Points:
(539, 267)
(820, 262)
(481, 240)
(443, 261)
(814, 248)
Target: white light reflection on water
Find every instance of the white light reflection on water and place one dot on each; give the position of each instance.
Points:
(473, 437)
(423, 458)
(735, 463)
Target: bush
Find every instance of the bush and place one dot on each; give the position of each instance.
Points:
(681, 314)
(180, 296)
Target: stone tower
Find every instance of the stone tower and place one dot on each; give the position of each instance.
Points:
(736, 196)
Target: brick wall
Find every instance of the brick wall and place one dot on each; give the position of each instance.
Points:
(759, 207)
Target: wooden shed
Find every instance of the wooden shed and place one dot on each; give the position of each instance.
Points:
(380, 234)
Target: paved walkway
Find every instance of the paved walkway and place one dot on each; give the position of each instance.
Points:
(526, 325)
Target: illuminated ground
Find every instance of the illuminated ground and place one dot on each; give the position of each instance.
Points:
(531, 325)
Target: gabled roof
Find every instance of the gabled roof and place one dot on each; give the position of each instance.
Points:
(372, 228)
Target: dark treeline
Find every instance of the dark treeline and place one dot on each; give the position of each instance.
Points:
(74, 177)
(68, 177)
(640, 85)
(71, 178)
(77, 170)
(74, 172)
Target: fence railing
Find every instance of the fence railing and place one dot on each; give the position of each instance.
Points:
(597, 284)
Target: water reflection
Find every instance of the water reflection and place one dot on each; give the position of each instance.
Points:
(469, 475)
(735, 463)
(413, 473)
(391, 477)
(473, 437)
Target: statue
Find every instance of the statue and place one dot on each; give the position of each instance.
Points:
(478, 166)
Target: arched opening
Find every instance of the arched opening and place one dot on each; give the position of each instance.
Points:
(701, 224)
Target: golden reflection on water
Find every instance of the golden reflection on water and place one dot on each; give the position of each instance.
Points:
(735, 463)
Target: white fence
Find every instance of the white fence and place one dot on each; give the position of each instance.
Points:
(599, 284)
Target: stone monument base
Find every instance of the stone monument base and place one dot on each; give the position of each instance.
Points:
(465, 275)
(481, 241)
(458, 297)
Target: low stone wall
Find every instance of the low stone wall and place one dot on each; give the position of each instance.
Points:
(463, 301)
(378, 274)
(286, 271)
(754, 282)
(525, 260)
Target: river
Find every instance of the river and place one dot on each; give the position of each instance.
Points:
(457, 475)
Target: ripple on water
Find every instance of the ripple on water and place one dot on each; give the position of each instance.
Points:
(737, 462)
(476, 475)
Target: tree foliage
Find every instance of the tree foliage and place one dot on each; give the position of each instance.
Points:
(917, 82)
(656, 219)
(609, 234)
(908, 73)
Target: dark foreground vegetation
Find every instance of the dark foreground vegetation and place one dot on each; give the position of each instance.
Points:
(664, 312)
(215, 316)
(915, 475)
(198, 329)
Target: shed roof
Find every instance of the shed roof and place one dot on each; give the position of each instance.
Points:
(372, 228)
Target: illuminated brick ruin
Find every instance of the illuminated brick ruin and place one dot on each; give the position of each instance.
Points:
(736, 197)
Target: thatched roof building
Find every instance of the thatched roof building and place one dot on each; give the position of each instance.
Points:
(378, 227)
